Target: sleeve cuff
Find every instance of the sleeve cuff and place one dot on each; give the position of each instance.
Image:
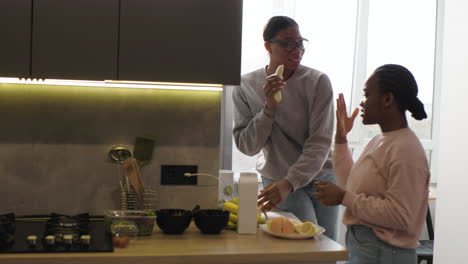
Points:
(294, 184)
(267, 112)
(348, 199)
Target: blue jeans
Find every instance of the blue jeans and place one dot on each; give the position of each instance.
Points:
(366, 248)
(307, 208)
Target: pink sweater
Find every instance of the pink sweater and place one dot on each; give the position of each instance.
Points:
(387, 188)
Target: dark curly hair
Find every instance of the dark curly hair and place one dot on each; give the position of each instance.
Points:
(400, 81)
(276, 24)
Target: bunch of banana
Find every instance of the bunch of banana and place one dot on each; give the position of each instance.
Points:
(233, 208)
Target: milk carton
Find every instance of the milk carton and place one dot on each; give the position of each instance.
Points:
(248, 191)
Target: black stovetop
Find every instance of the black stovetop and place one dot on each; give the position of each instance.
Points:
(86, 234)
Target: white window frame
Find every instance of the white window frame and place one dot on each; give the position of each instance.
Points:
(357, 139)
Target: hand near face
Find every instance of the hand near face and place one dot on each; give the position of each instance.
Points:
(272, 84)
(273, 194)
(328, 193)
(344, 123)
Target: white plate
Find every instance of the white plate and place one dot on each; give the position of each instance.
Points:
(292, 236)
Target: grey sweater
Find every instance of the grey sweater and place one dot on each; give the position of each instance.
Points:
(294, 143)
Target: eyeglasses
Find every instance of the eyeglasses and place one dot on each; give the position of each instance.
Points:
(292, 45)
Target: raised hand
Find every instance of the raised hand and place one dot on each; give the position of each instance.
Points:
(344, 123)
(273, 84)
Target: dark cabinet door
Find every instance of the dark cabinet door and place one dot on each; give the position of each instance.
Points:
(181, 41)
(75, 39)
(15, 40)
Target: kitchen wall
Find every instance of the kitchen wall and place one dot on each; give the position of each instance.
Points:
(54, 142)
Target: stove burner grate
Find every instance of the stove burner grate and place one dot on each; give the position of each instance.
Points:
(61, 225)
(7, 229)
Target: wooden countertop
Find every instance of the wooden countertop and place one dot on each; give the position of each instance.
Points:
(195, 247)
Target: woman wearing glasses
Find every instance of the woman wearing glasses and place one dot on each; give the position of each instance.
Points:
(291, 134)
(385, 192)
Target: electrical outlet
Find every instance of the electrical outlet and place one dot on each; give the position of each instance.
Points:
(174, 174)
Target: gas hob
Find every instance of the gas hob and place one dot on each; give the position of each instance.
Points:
(53, 233)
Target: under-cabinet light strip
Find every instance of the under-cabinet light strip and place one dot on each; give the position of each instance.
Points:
(120, 84)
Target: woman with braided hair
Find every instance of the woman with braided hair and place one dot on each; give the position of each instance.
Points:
(385, 191)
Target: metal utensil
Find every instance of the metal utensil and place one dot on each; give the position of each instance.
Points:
(119, 154)
(143, 150)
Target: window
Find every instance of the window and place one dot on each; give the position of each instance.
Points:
(395, 36)
(331, 33)
(406, 41)
(347, 41)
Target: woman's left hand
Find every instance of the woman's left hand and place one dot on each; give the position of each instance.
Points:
(328, 193)
(274, 194)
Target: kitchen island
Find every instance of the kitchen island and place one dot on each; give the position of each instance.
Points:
(194, 247)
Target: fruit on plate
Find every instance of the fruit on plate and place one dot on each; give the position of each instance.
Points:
(306, 228)
(233, 208)
(283, 225)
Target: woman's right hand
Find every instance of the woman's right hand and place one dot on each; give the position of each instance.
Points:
(272, 85)
(274, 194)
(344, 123)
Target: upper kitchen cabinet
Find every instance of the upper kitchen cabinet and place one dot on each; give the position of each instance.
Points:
(15, 43)
(75, 39)
(197, 41)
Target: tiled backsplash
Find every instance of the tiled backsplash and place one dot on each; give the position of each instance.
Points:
(54, 142)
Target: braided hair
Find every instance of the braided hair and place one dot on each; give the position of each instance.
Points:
(399, 81)
(275, 25)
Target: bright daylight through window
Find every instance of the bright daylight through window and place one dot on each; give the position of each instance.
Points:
(347, 41)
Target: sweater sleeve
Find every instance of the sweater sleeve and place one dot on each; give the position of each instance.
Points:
(251, 131)
(396, 208)
(316, 149)
(342, 163)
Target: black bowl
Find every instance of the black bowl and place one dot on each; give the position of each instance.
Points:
(173, 221)
(211, 221)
